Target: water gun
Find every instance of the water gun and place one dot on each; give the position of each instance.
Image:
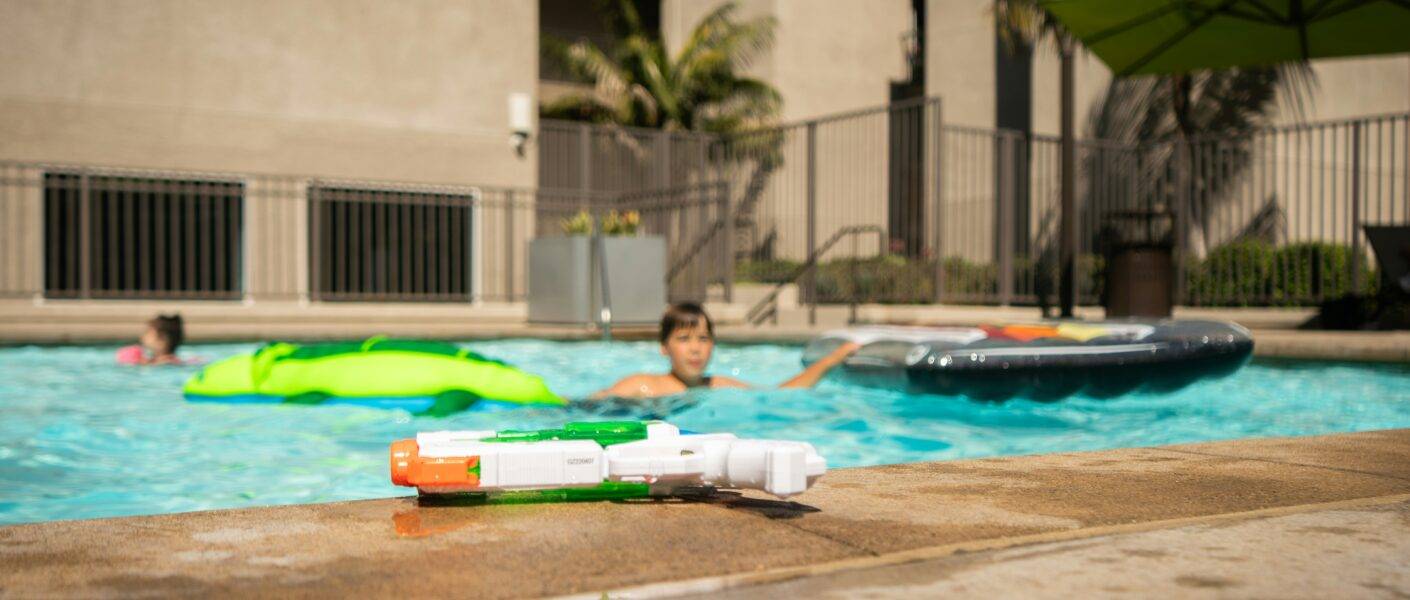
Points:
(602, 460)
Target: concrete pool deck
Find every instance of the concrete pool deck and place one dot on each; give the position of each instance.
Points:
(1314, 516)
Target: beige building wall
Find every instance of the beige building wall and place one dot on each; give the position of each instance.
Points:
(353, 90)
(829, 56)
(959, 60)
(413, 91)
(1355, 87)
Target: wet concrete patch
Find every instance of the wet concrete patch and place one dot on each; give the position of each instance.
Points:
(1202, 582)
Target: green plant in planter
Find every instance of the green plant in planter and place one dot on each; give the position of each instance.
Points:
(579, 224)
(621, 224)
(615, 223)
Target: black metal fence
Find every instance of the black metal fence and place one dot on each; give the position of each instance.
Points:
(86, 232)
(403, 244)
(970, 215)
(965, 215)
(110, 235)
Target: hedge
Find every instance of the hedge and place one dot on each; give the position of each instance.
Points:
(1255, 273)
(1245, 273)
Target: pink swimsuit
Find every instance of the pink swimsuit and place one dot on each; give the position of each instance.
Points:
(131, 355)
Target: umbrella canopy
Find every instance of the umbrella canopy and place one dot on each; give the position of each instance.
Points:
(1175, 36)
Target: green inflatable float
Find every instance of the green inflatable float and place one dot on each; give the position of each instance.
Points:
(432, 378)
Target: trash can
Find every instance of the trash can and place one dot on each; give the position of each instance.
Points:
(1140, 264)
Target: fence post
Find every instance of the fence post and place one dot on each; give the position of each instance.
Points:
(509, 240)
(1182, 219)
(726, 244)
(1356, 255)
(812, 278)
(663, 159)
(937, 251)
(584, 164)
(856, 289)
(85, 237)
(1007, 178)
(314, 237)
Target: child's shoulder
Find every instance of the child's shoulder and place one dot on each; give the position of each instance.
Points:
(643, 378)
(721, 381)
(642, 384)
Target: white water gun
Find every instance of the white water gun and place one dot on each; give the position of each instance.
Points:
(617, 459)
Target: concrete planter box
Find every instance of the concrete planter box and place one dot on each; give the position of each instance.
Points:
(565, 286)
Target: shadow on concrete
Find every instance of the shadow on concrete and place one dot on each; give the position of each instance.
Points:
(773, 509)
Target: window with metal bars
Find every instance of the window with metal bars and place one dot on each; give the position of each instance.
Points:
(119, 236)
(391, 245)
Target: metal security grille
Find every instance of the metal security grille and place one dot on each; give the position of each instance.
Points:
(392, 245)
(118, 236)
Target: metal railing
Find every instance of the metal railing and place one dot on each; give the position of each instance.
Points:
(1276, 217)
(970, 214)
(73, 232)
(767, 307)
(113, 233)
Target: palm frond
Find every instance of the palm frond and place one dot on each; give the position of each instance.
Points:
(635, 82)
(743, 42)
(749, 104)
(1023, 23)
(578, 107)
(704, 32)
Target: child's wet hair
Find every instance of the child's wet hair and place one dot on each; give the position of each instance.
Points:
(684, 315)
(170, 328)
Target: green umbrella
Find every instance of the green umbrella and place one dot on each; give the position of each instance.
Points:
(1174, 36)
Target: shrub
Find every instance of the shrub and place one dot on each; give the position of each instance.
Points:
(1254, 273)
(1233, 274)
(886, 279)
(1307, 272)
(765, 271)
(895, 279)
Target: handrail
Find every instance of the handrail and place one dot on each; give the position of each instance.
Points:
(762, 310)
(604, 315)
(704, 238)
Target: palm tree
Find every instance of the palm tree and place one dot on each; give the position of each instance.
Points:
(701, 88)
(1167, 116)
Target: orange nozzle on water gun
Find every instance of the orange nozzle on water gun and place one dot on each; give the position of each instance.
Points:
(411, 469)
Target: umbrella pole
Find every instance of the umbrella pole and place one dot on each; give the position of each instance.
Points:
(1067, 238)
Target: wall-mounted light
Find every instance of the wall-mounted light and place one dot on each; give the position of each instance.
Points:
(521, 121)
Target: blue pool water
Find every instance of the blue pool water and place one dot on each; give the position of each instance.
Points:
(81, 437)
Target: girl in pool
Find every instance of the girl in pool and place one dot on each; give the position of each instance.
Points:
(158, 343)
(688, 338)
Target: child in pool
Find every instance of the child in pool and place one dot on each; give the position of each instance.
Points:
(158, 343)
(688, 338)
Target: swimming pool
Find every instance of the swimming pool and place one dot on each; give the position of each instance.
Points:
(81, 437)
